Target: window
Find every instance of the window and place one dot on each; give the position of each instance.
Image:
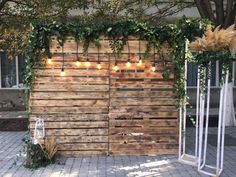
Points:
(11, 71)
(192, 74)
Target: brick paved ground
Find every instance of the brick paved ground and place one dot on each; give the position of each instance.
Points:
(143, 166)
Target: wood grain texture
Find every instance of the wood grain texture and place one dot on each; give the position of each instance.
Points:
(93, 111)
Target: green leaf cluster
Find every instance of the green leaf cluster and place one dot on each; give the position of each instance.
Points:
(173, 34)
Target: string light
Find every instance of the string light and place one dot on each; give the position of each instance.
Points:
(99, 66)
(140, 62)
(153, 67)
(154, 62)
(63, 58)
(63, 72)
(87, 64)
(116, 68)
(128, 64)
(49, 59)
(77, 63)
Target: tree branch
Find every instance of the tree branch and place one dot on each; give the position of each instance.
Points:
(2, 4)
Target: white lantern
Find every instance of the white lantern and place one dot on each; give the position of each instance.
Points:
(39, 131)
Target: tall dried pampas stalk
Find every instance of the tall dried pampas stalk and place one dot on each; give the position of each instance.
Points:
(232, 45)
(219, 39)
(49, 147)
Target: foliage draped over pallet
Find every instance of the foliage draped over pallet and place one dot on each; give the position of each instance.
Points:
(174, 35)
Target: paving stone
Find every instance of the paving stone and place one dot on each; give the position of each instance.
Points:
(105, 166)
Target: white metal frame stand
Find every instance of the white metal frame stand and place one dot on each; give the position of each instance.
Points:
(202, 119)
(183, 156)
(202, 166)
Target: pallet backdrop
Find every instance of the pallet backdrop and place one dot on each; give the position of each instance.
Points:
(100, 112)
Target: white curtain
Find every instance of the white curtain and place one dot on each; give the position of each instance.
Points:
(230, 114)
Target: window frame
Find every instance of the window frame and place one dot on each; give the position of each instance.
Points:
(17, 75)
(217, 76)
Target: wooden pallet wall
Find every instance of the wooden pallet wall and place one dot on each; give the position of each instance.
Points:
(142, 113)
(100, 112)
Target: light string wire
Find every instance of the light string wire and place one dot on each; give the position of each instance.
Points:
(77, 51)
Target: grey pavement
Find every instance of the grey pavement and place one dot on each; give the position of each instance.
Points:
(12, 159)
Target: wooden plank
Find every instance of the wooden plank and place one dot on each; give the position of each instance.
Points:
(62, 103)
(150, 131)
(70, 72)
(136, 146)
(133, 74)
(53, 109)
(146, 138)
(76, 125)
(65, 116)
(84, 146)
(69, 95)
(142, 116)
(141, 93)
(83, 139)
(143, 123)
(82, 153)
(143, 151)
(70, 63)
(142, 108)
(77, 132)
(74, 80)
(106, 57)
(142, 101)
(69, 87)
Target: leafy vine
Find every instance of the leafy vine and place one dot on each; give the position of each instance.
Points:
(174, 35)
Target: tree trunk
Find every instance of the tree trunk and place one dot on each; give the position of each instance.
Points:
(221, 16)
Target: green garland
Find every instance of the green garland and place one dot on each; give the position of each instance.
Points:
(204, 60)
(174, 35)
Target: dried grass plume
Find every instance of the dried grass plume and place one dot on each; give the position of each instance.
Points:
(49, 146)
(217, 40)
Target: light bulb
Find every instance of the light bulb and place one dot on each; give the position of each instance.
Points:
(128, 64)
(99, 66)
(140, 62)
(49, 61)
(87, 64)
(77, 63)
(115, 68)
(62, 72)
(153, 68)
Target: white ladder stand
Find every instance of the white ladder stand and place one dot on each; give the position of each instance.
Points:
(201, 131)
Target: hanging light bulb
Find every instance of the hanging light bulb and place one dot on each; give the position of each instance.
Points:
(77, 63)
(63, 72)
(49, 59)
(87, 64)
(115, 68)
(153, 67)
(99, 66)
(140, 62)
(128, 64)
